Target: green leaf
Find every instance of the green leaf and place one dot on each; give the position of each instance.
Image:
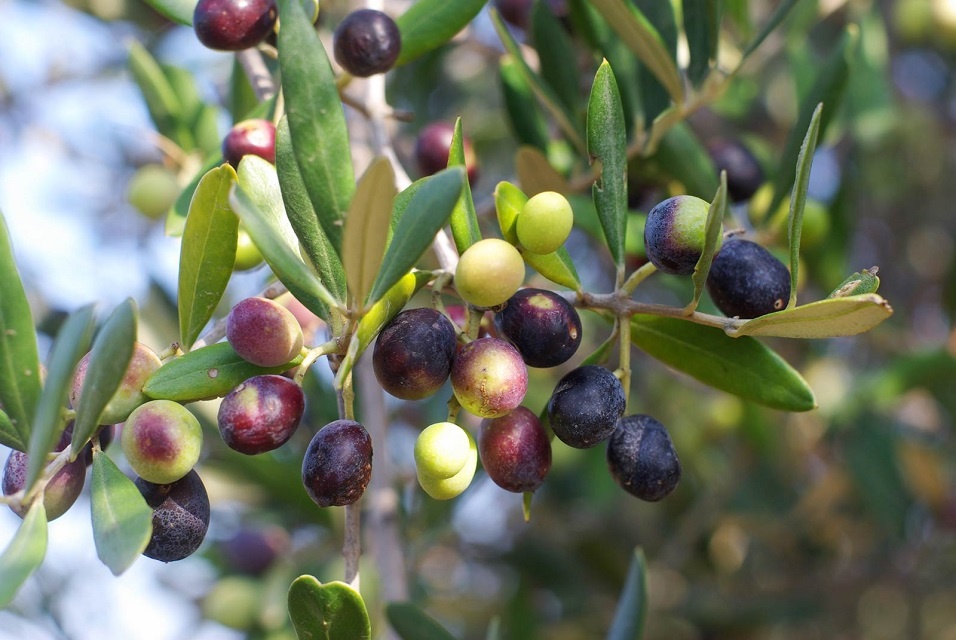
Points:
(72, 342)
(122, 521)
(24, 553)
(165, 109)
(320, 139)
(428, 24)
(183, 85)
(464, 219)
(712, 229)
(798, 199)
(556, 54)
(427, 212)
(527, 123)
(109, 359)
(256, 198)
(303, 218)
(9, 436)
(631, 612)
(565, 120)
(655, 96)
(509, 200)
(681, 155)
(331, 611)
(865, 281)
(555, 266)
(208, 252)
(607, 143)
(19, 362)
(702, 28)
(778, 16)
(748, 369)
(643, 39)
(363, 243)
(388, 306)
(205, 128)
(828, 318)
(180, 11)
(411, 623)
(208, 372)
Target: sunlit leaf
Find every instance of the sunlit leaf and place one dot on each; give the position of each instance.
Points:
(109, 359)
(24, 553)
(19, 362)
(411, 623)
(180, 11)
(798, 199)
(702, 27)
(363, 243)
(331, 611)
(208, 252)
(428, 24)
(122, 521)
(828, 318)
(631, 612)
(388, 306)
(464, 219)
(747, 369)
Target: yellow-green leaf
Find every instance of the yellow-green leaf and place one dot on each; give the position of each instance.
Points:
(363, 240)
(122, 521)
(829, 318)
(464, 218)
(331, 611)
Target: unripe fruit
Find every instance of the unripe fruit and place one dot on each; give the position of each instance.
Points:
(747, 281)
(261, 414)
(263, 332)
(585, 406)
(130, 394)
(248, 255)
(60, 493)
(152, 190)
(252, 551)
(180, 516)
(367, 42)
(545, 222)
(414, 353)
(433, 145)
(744, 173)
(543, 326)
(441, 450)
(489, 272)
(515, 450)
(250, 137)
(233, 25)
(338, 464)
(448, 488)
(674, 234)
(162, 441)
(489, 378)
(642, 459)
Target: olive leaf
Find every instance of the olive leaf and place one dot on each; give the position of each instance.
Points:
(630, 616)
(828, 318)
(411, 623)
(464, 218)
(331, 611)
(712, 229)
(122, 521)
(24, 553)
(363, 243)
(428, 24)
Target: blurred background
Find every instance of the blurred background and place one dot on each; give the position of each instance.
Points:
(839, 523)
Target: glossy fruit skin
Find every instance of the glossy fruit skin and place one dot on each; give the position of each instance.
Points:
(250, 137)
(441, 450)
(744, 173)
(130, 394)
(453, 486)
(674, 234)
(642, 458)
(162, 441)
(489, 272)
(515, 450)
(261, 414)
(180, 516)
(545, 222)
(489, 378)
(414, 353)
(585, 406)
(234, 25)
(61, 492)
(747, 281)
(337, 465)
(367, 42)
(263, 332)
(543, 326)
(433, 145)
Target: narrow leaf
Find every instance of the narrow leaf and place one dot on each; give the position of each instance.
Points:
(208, 252)
(109, 359)
(798, 199)
(607, 143)
(427, 212)
(712, 229)
(363, 243)
(535, 173)
(631, 612)
(556, 267)
(316, 120)
(72, 342)
(702, 27)
(163, 104)
(509, 200)
(556, 54)
(865, 281)
(781, 12)
(332, 611)
(19, 362)
(828, 318)
(303, 218)
(464, 218)
(209, 372)
(655, 95)
(411, 623)
(122, 521)
(527, 123)
(428, 24)
(180, 11)
(258, 202)
(388, 306)
(646, 43)
(681, 156)
(748, 369)
(24, 553)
